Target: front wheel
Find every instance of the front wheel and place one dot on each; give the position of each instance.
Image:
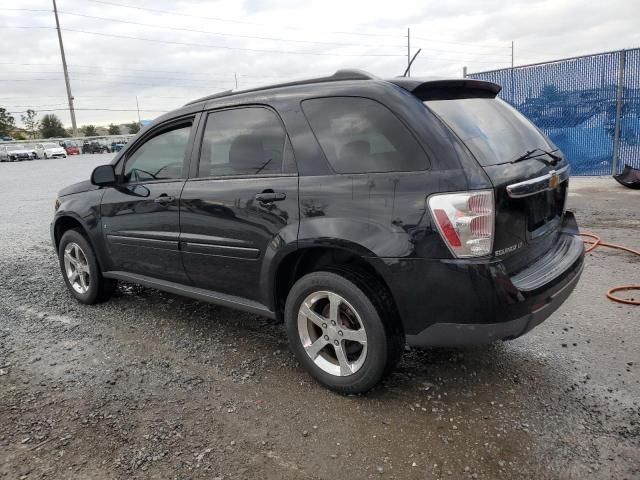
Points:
(342, 329)
(81, 271)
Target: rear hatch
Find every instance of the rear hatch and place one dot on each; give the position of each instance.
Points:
(528, 172)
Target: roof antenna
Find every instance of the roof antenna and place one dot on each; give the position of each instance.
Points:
(411, 62)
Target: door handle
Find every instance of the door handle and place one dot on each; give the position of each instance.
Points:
(164, 199)
(270, 196)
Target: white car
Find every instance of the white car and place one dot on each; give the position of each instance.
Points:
(50, 150)
(16, 153)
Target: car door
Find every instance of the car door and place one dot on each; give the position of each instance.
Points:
(240, 208)
(140, 216)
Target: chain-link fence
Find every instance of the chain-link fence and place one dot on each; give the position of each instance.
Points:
(589, 106)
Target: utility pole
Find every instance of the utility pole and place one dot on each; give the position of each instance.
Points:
(511, 53)
(138, 108)
(619, 105)
(235, 74)
(408, 52)
(464, 72)
(72, 112)
(513, 101)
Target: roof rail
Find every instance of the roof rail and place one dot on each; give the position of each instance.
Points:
(340, 75)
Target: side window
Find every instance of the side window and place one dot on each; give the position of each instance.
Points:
(359, 135)
(244, 141)
(159, 158)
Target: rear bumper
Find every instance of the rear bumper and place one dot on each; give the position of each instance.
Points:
(468, 302)
(465, 334)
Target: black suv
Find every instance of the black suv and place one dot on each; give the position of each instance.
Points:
(365, 213)
(95, 147)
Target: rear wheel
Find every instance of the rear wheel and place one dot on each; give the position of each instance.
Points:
(341, 329)
(81, 271)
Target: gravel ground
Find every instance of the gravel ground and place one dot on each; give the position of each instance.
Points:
(150, 385)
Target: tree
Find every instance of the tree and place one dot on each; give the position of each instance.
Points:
(114, 129)
(89, 131)
(134, 127)
(51, 126)
(30, 123)
(7, 122)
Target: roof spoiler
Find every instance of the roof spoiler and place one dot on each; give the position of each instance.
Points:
(447, 89)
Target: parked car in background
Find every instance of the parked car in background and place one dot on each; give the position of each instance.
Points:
(6, 138)
(16, 153)
(50, 150)
(117, 146)
(70, 147)
(95, 147)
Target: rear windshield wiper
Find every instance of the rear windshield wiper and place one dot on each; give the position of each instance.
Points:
(538, 152)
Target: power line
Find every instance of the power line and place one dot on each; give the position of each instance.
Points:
(193, 87)
(241, 22)
(206, 45)
(94, 110)
(163, 27)
(433, 40)
(93, 96)
(208, 32)
(207, 80)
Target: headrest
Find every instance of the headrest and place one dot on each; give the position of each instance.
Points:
(245, 153)
(357, 148)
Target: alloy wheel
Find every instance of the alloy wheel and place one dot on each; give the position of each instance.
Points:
(332, 333)
(77, 268)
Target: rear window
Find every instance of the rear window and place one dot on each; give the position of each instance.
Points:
(359, 135)
(494, 131)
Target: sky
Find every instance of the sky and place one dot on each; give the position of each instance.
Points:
(168, 52)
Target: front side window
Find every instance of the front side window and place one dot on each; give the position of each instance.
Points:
(244, 141)
(359, 135)
(159, 158)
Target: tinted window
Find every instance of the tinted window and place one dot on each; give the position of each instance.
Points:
(360, 135)
(493, 130)
(159, 158)
(245, 141)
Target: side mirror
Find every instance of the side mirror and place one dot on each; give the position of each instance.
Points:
(103, 176)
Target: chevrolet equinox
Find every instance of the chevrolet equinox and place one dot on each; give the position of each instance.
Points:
(365, 213)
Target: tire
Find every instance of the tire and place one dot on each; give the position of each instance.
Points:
(89, 286)
(365, 305)
(46, 156)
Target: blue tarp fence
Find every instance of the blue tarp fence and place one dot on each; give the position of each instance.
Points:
(589, 106)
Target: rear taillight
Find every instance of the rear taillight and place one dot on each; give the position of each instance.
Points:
(465, 221)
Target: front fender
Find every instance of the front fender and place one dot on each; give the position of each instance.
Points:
(84, 208)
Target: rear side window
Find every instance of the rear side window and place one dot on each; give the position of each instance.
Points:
(359, 135)
(244, 141)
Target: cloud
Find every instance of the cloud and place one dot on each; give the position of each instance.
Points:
(109, 72)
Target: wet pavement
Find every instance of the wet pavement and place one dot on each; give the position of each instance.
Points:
(151, 385)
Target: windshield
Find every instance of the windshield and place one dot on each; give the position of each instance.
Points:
(50, 145)
(493, 130)
(13, 148)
